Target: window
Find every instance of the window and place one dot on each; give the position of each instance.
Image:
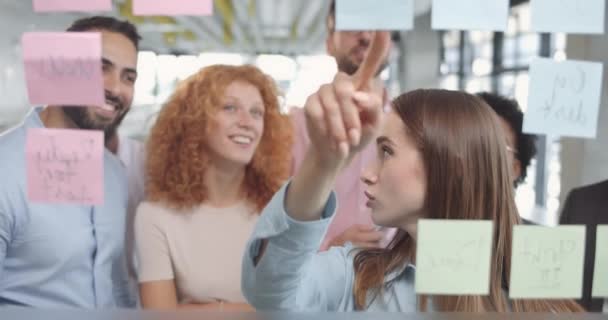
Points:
(498, 62)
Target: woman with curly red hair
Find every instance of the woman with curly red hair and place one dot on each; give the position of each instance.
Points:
(219, 150)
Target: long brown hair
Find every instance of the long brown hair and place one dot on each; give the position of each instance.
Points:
(464, 153)
(177, 160)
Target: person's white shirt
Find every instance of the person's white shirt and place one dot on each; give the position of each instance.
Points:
(132, 155)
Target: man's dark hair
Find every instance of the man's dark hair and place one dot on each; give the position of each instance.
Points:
(509, 110)
(107, 24)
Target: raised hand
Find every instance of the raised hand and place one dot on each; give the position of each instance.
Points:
(344, 116)
(341, 118)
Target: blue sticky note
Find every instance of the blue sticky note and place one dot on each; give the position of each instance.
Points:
(564, 98)
(374, 14)
(572, 16)
(486, 15)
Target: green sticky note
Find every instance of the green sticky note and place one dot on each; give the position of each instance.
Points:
(547, 263)
(600, 272)
(453, 257)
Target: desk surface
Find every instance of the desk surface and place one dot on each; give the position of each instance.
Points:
(35, 314)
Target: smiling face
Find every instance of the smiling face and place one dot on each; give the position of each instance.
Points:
(237, 125)
(119, 62)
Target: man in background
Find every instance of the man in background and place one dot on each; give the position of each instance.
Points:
(56, 255)
(352, 223)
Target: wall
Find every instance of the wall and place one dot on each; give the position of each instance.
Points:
(419, 63)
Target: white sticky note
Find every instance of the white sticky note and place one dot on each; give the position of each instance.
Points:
(374, 14)
(486, 15)
(572, 16)
(547, 263)
(453, 257)
(564, 98)
(600, 271)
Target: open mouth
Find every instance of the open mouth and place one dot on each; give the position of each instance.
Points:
(371, 200)
(369, 196)
(109, 109)
(241, 140)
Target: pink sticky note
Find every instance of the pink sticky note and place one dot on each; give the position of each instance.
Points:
(65, 166)
(72, 5)
(63, 68)
(173, 7)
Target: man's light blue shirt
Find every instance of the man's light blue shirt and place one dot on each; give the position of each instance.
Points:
(55, 255)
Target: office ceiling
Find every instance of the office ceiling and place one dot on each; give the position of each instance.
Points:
(290, 27)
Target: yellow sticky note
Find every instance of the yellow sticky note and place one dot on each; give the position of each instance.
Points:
(547, 263)
(453, 257)
(600, 271)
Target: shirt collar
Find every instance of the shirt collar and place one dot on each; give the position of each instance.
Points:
(407, 270)
(32, 119)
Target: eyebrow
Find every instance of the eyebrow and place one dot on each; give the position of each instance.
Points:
(235, 99)
(384, 139)
(107, 61)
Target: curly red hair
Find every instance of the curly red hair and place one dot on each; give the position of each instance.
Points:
(176, 150)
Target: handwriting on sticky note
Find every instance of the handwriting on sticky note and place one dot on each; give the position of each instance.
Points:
(57, 68)
(65, 166)
(173, 7)
(600, 270)
(372, 15)
(71, 5)
(63, 68)
(554, 109)
(449, 247)
(564, 98)
(547, 262)
(470, 15)
(572, 16)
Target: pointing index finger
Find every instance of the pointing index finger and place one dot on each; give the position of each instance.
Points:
(375, 56)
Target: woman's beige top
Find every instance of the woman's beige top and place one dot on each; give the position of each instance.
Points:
(201, 249)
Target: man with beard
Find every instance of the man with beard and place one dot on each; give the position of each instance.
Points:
(54, 255)
(352, 223)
